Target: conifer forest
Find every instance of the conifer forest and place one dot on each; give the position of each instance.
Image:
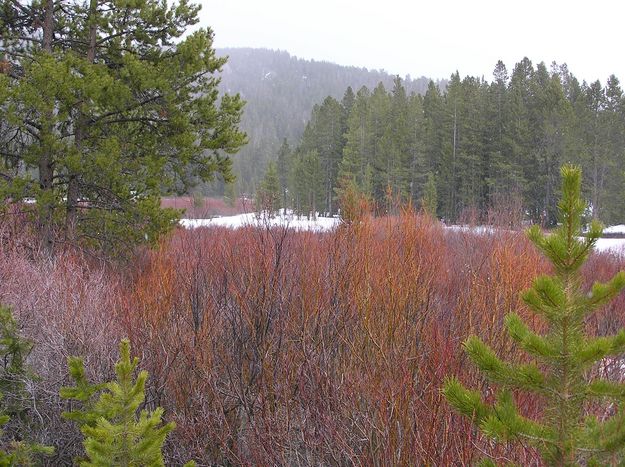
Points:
(476, 142)
(238, 257)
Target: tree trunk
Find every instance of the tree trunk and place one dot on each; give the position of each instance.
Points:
(46, 165)
(73, 183)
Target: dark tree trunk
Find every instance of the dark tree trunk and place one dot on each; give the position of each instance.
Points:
(46, 164)
(73, 183)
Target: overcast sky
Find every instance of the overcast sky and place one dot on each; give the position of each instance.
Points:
(432, 38)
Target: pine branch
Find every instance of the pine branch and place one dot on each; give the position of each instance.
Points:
(531, 342)
(523, 376)
(594, 349)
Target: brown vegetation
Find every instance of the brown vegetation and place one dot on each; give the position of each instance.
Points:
(275, 347)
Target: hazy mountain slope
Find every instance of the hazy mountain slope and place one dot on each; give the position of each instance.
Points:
(281, 91)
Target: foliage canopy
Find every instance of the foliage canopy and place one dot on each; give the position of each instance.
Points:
(105, 105)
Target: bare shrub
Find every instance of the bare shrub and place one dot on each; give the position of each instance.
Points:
(66, 308)
(269, 346)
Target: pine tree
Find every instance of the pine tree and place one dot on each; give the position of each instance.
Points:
(356, 160)
(614, 128)
(562, 357)
(381, 140)
(283, 164)
(398, 149)
(551, 114)
(505, 174)
(483, 142)
(324, 134)
(268, 196)
(307, 183)
(434, 134)
(110, 103)
(429, 201)
(114, 434)
(417, 170)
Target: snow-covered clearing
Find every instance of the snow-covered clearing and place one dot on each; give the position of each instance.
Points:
(614, 245)
(289, 220)
(615, 229)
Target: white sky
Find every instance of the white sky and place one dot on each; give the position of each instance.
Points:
(430, 38)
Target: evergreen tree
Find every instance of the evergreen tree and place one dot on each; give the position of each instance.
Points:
(434, 133)
(347, 104)
(552, 117)
(561, 358)
(381, 140)
(324, 135)
(269, 192)
(519, 133)
(283, 167)
(613, 120)
(429, 201)
(357, 152)
(416, 165)
(482, 142)
(307, 183)
(399, 144)
(505, 172)
(114, 434)
(449, 175)
(281, 91)
(106, 105)
(472, 155)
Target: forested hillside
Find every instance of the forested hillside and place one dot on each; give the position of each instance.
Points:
(467, 146)
(281, 91)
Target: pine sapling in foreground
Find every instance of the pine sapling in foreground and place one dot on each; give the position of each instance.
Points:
(561, 360)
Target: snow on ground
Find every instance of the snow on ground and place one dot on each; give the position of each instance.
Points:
(476, 229)
(615, 229)
(289, 220)
(615, 245)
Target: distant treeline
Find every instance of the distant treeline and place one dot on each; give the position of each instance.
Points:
(280, 91)
(465, 147)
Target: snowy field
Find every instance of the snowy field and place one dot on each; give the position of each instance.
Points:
(615, 230)
(614, 245)
(322, 224)
(289, 220)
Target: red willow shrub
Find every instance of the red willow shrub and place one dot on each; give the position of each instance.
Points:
(274, 347)
(269, 346)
